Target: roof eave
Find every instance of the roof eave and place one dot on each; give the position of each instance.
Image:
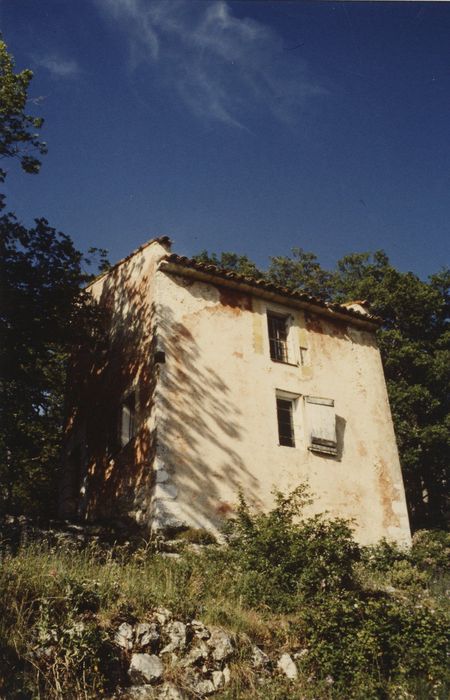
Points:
(294, 300)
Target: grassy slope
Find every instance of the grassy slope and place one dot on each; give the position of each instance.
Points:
(397, 611)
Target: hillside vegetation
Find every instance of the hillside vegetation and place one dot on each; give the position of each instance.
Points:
(358, 622)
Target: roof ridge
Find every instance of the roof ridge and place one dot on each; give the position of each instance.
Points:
(163, 240)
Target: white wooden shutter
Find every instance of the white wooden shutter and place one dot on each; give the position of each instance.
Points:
(125, 425)
(322, 424)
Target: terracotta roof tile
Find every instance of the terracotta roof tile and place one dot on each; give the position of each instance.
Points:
(220, 272)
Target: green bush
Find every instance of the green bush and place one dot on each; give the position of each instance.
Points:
(370, 640)
(431, 550)
(381, 556)
(281, 558)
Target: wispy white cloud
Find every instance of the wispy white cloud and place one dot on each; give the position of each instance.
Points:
(222, 66)
(57, 66)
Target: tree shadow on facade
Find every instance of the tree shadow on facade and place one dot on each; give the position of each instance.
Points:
(199, 430)
(178, 405)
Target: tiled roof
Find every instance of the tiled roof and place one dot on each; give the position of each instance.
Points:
(262, 284)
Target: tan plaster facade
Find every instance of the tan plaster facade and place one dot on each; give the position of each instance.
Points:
(193, 347)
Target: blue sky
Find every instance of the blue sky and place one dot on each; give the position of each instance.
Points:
(244, 126)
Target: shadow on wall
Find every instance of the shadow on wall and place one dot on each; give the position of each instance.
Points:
(115, 482)
(198, 419)
(117, 358)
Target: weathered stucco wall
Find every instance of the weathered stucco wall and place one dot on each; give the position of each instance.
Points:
(111, 481)
(195, 357)
(218, 421)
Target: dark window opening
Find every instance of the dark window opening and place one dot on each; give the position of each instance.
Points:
(278, 333)
(285, 423)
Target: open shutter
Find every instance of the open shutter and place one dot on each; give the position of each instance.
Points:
(322, 424)
(125, 420)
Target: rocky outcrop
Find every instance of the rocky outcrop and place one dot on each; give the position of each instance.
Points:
(163, 648)
(172, 659)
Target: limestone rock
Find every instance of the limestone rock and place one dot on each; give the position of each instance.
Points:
(220, 643)
(124, 636)
(168, 691)
(163, 615)
(287, 666)
(204, 687)
(218, 679)
(259, 658)
(146, 633)
(140, 692)
(177, 635)
(226, 675)
(145, 668)
(301, 654)
(195, 655)
(200, 630)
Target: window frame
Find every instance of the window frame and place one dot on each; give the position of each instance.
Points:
(287, 356)
(292, 400)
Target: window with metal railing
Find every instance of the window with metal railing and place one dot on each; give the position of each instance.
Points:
(278, 337)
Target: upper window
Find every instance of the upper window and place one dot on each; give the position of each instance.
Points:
(278, 337)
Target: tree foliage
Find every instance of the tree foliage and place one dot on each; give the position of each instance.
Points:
(42, 313)
(283, 557)
(415, 348)
(301, 272)
(18, 131)
(240, 264)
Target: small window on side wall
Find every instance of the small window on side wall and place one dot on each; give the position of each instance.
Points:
(278, 327)
(285, 416)
(127, 419)
(321, 419)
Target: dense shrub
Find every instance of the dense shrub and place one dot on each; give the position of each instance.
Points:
(431, 550)
(371, 640)
(382, 556)
(282, 558)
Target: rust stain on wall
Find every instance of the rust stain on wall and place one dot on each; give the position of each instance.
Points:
(362, 449)
(332, 327)
(235, 299)
(224, 508)
(387, 494)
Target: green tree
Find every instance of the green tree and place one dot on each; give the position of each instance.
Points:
(240, 264)
(18, 130)
(43, 312)
(301, 272)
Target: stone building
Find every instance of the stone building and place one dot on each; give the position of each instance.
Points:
(204, 383)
